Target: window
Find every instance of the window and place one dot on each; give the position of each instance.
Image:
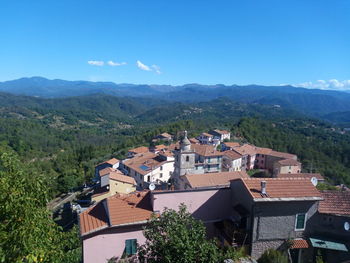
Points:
(161, 168)
(148, 178)
(130, 247)
(187, 158)
(300, 221)
(209, 160)
(161, 175)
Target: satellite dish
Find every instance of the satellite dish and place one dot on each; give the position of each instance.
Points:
(347, 226)
(314, 181)
(152, 186)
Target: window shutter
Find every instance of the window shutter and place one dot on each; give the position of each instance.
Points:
(128, 245)
(133, 246)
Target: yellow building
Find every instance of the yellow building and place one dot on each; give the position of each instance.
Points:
(117, 183)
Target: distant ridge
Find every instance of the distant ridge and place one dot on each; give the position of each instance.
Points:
(309, 101)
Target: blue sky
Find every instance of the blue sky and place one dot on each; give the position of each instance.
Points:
(177, 42)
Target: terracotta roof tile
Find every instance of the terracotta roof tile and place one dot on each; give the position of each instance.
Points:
(299, 243)
(129, 208)
(302, 175)
(245, 149)
(335, 202)
(289, 162)
(207, 134)
(231, 144)
(205, 150)
(118, 176)
(123, 209)
(231, 154)
(105, 171)
(112, 161)
(144, 163)
(282, 155)
(93, 219)
(213, 179)
(264, 151)
(193, 140)
(141, 149)
(282, 188)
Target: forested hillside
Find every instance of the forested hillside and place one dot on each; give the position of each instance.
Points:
(64, 138)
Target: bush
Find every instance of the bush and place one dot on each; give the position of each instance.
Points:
(273, 256)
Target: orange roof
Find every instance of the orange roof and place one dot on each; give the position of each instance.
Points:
(302, 175)
(112, 161)
(335, 202)
(165, 135)
(299, 243)
(144, 163)
(231, 154)
(193, 140)
(261, 150)
(207, 134)
(122, 209)
(93, 219)
(213, 179)
(106, 171)
(285, 188)
(222, 131)
(205, 150)
(283, 155)
(118, 176)
(141, 149)
(245, 149)
(160, 147)
(289, 162)
(231, 144)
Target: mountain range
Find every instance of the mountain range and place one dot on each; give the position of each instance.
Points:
(313, 102)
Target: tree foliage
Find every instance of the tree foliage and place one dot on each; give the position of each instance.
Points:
(27, 231)
(178, 237)
(273, 256)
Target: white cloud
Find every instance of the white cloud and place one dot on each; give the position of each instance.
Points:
(332, 84)
(114, 64)
(96, 63)
(156, 69)
(142, 66)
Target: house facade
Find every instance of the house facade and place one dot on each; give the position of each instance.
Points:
(112, 163)
(231, 161)
(221, 135)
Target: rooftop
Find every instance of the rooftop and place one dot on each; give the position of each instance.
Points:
(282, 189)
(141, 149)
(231, 154)
(144, 163)
(122, 209)
(205, 150)
(289, 162)
(335, 202)
(206, 134)
(245, 149)
(106, 171)
(112, 161)
(231, 144)
(302, 175)
(213, 179)
(118, 176)
(221, 131)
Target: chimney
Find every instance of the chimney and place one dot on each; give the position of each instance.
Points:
(263, 188)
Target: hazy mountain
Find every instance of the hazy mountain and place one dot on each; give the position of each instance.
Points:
(309, 101)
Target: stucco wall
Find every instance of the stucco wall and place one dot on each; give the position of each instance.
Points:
(207, 205)
(109, 243)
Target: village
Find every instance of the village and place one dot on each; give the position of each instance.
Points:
(247, 196)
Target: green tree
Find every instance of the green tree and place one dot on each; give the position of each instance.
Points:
(178, 237)
(27, 231)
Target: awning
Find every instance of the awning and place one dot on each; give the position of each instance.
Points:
(328, 244)
(299, 243)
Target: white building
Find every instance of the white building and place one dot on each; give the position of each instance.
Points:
(231, 161)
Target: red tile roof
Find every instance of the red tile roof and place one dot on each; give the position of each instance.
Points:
(245, 149)
(117, 176)
(335, 202)
(144, 163)
(231, 154)
(141, 149)
(289, 162)
(112, 161)
(282, 155)
(105, 171)
(207, 134)
(299, 243)
(285, 188)
(122, 209)
(264, 151)
(213, 179)
(193, 140)
(231, 144)
(302, 175)
(205, 150)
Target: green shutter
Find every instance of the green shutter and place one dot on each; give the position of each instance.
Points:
(130, 246)
(300, 221)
